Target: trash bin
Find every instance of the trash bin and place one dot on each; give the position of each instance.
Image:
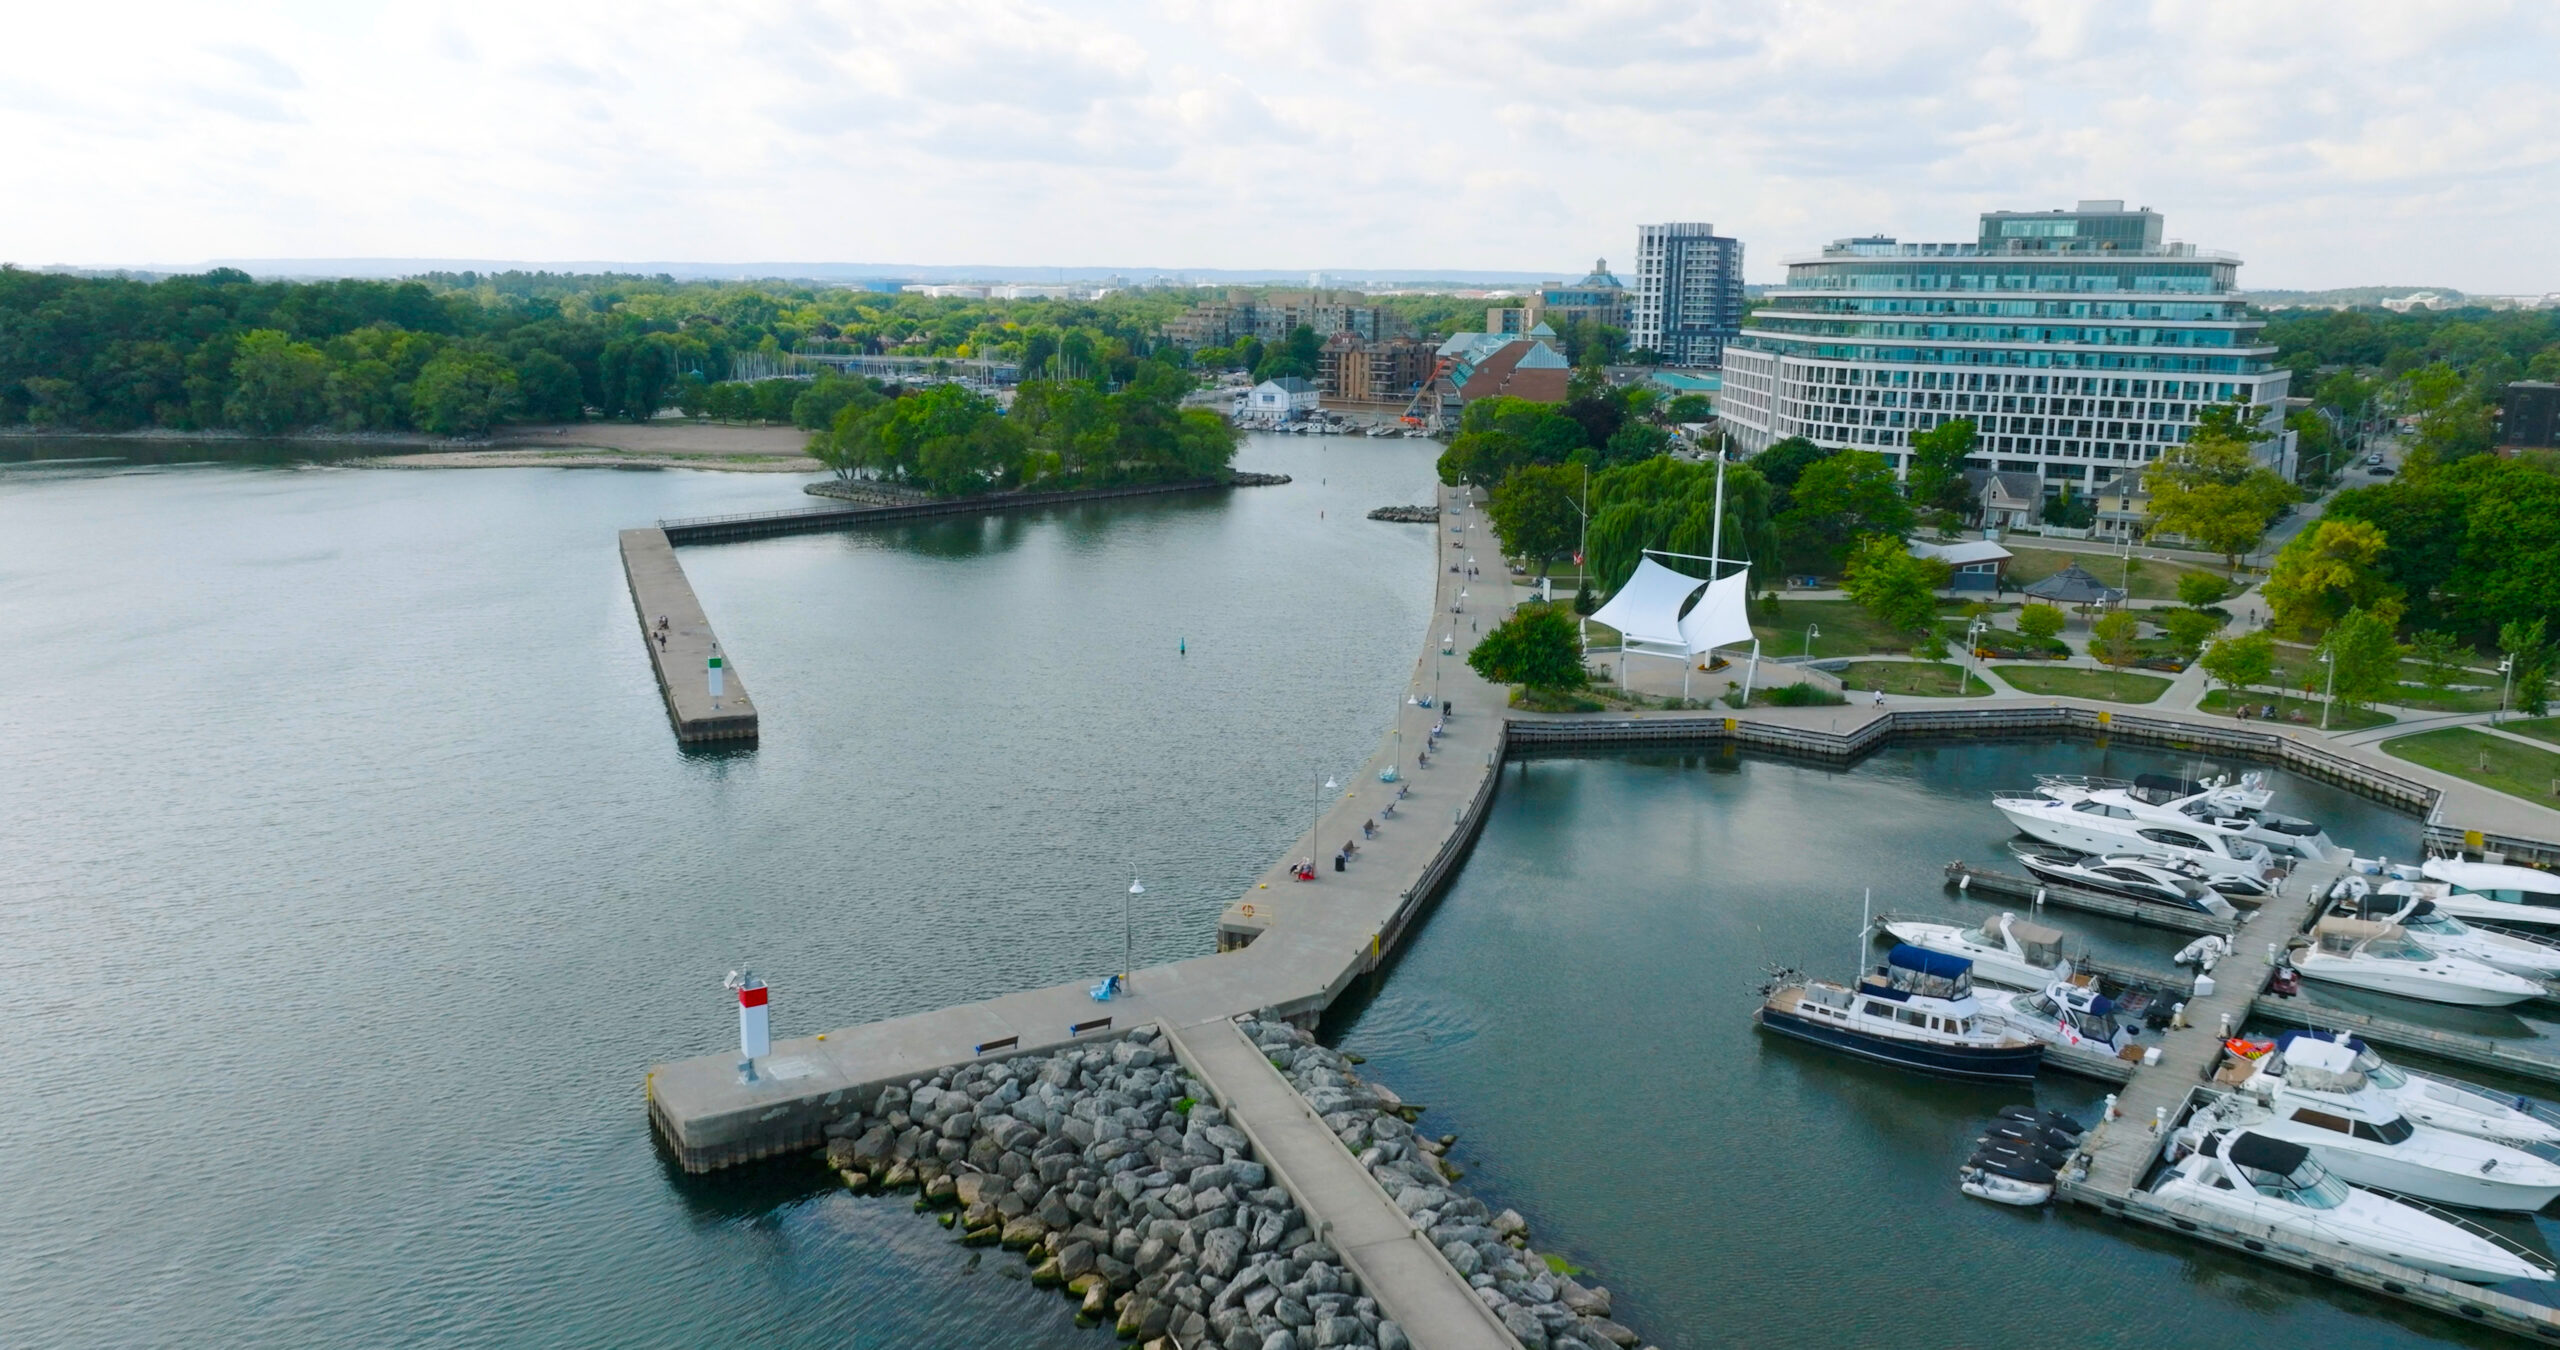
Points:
(1337, 862)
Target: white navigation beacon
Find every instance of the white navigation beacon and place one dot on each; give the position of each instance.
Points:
(755, 1028)
(711, 666)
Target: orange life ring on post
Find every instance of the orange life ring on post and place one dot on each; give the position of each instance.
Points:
(1248, 911)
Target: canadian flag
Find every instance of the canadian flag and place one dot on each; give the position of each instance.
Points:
(1577, 560)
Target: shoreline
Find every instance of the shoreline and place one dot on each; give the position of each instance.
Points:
(663, 444)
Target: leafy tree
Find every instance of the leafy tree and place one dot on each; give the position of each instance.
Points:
(1785, 462)
(2113, 636)
(2528, 653)
(2189, 629)
(2236, 663)
(1632, 442)
(1537, 512)
(1538, 646)
(2365, 653)
(1686, 408)
(2325, 571)
(2440, 656)
(1598, 406)
(548, 388)
(463, 393)
(278, 384)
(1299, 355)
(2316, 446)
(1838, 500)
(2041, 622)
(1669, 504)
(2069, 510)
(1937, 465)
(2199, 589)
(1900, 590)
(2213, 491)
(1499, 434)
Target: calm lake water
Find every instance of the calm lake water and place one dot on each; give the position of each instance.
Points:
(354, 879)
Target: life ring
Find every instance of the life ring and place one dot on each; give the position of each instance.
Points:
(1248, 911)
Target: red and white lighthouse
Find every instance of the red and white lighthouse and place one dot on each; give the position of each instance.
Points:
(755, 1029)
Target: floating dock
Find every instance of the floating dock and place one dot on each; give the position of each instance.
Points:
(2534, 1059)
(659, 591)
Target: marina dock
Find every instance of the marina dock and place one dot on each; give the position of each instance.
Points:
(2537, 1060)
(659, 590)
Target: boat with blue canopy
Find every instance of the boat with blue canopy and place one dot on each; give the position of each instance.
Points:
(1916, 1011)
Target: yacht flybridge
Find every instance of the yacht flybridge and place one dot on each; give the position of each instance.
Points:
(2277, 1184)
(2384, 958)
(2111, 821)
(1917, 1010)
(2323, 1102)
(2430, 1099)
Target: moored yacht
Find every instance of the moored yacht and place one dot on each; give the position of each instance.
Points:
(2384, 958)
(2111, 822)
(2137, 876)
(2278, 1184)
(2326, 1104)
(2066, 1012)
(2237, 809)
(2425, 920)
(2431, 1099)
(2005, 949)
(1917, 1010)
(2499, 893)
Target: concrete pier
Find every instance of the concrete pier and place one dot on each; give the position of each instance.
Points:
(659, 590)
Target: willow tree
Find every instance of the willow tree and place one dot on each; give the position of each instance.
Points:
(1669, 504)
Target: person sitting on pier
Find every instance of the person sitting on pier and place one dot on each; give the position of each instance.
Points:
(1350, 848)
(1388, 810)
(1305, 870)
(1369, 828)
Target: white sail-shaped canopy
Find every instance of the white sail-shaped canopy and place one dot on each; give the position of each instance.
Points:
(1722, 617)
(1646, 611)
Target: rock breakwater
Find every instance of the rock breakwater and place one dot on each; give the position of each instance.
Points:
(1408, 515)
(1125, 1186)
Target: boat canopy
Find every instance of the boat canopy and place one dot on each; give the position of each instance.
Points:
(1926, 962)
(2158, 788)
(2265, 1154)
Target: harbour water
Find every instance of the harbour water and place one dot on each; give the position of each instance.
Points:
(354, 878)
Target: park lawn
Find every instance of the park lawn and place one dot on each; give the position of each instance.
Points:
(2539, 728)
(2113, 686)
(2344, 719)
(1847, 630)
(2296, 666)
(2151, 578)
(2517, 770)
(1930, 679)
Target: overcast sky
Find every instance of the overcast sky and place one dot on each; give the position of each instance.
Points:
(2331, 143)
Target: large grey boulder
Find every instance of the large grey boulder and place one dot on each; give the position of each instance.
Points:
(1524, 1326)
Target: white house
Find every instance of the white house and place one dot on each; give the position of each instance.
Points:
(1972, 564)
(1282, 399)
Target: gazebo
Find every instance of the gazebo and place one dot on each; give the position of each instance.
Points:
(2075, 587)
(1648, 614)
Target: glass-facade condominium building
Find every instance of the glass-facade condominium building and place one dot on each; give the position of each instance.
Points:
(2078, 343)
(1688, 293)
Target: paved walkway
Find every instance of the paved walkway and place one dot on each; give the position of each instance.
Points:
(1415, 1286)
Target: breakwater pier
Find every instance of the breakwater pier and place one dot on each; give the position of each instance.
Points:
(680, 643)
(1290, 947)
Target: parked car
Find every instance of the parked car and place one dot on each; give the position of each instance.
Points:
(2385, 471)
(2374, 460)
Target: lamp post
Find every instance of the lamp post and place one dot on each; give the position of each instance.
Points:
(1811, 631)
(1973, 643)
(1316, 828)
(2506, 685)
(2329, 659)
(1129, 932)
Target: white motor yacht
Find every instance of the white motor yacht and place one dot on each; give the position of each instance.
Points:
(1917, 1010)
(2324, 1103)
(2065, 1012)
(2005, 949)
(2431, 1099)
(2499, 893)
(2135, 876)
(2276, 1184)
(2235, 809)
(2383, 957)
(2425, 920)
(2111, 822)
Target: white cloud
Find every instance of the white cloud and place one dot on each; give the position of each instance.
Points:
(2328, 143)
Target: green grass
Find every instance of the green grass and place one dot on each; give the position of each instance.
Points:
(2296, 666)
(2220, 701)
(2113, 686)
(2151, 580)
(2517, 770)
(2539, 728)
(1930, 679)
(1847, 630)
